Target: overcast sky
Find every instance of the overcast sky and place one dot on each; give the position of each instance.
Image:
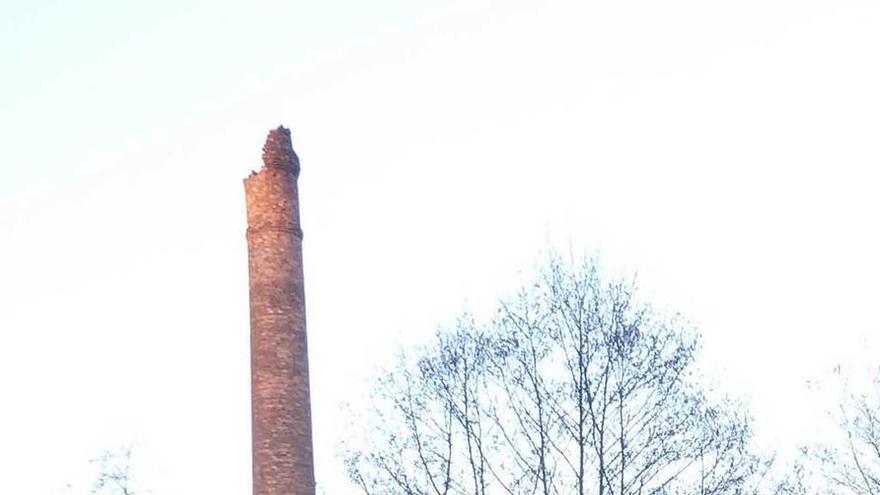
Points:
(725, 152)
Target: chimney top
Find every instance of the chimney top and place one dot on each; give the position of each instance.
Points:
(278, 151)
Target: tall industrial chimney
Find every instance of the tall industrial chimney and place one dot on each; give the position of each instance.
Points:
(280, 408)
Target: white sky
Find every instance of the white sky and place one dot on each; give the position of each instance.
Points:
(724, 151)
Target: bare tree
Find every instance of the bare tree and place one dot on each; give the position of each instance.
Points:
(574, 387)
(853, 465)
(114, 473)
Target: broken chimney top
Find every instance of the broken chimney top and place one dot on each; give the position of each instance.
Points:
(278, 151)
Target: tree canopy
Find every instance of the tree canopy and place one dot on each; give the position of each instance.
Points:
(574, 386)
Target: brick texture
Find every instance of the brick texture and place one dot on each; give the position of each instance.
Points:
(280, 408)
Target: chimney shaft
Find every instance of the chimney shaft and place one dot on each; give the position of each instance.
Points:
(280, 407)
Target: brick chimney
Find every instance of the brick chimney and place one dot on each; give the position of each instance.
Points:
(280, 408)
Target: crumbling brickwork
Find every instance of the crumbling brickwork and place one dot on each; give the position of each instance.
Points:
(280, 408)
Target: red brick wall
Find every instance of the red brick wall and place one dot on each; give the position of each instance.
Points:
(281, 417)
